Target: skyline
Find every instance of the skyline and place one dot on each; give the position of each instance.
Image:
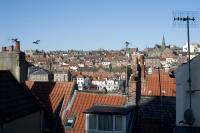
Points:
(93, 24)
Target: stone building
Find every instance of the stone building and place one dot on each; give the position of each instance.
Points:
(12, 59)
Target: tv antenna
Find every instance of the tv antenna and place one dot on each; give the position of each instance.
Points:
(127, 44)
(14, 39)
(188, 18)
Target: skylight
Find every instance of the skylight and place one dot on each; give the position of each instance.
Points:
(70, 123)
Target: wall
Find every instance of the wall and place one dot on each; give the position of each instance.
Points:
(182, 98)
(15, 62)
(28, 124)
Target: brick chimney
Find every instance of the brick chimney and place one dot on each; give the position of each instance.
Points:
(134, 90)
(3, 49)
(17, 46)
(142, 65)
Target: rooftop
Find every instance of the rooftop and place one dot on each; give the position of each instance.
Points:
(104, 109)
(83, 101)
(16, 100)
(51, 93)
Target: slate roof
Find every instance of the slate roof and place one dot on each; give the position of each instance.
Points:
(40, 71)
(85, 100)
(104, 109)
(51, 94)
(15, 100)
(156, 117)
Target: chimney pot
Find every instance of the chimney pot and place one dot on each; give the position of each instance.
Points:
(17, 46)
(3, 49)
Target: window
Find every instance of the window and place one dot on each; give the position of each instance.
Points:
(70, 123)
(92, 121)
(118, 123)
(105, 122)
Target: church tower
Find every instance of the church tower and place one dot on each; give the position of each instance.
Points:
(163, 41)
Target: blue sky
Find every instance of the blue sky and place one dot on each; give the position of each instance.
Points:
(92, 24)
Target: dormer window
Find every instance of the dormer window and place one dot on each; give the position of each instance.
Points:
(118, 123)
(70, 123)
(92, 121)
(105, 122)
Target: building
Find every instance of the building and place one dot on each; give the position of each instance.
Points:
(188, 119)
(193, 48)
(154, 95)
(53, 95)
(106, 64)
(12, 59)
(80, 80)
(41, 75)
(74, 118)
(106, 83)
(62, 76)
(20, 111)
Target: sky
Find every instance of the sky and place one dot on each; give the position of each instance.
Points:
(93, 24)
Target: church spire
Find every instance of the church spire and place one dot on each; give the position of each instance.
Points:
(163, 41)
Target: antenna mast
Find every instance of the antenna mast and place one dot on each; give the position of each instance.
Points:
(189, 18)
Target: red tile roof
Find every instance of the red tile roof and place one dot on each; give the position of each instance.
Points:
(151, 87)
(51, 93)
(85, 101)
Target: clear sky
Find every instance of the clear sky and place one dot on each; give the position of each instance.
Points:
(92, 24)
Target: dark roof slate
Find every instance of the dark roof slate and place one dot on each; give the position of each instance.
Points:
(15, 100)
(114, 110)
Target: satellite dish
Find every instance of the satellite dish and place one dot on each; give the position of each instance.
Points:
(189, 117)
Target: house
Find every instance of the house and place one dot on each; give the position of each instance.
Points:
(187, 106)
(53, 95)
(74, 118)
(62, 76)
(154, 95)
(106, 83)
(20, 111)
(41, 75)
(106, 64)
(193, 48)
(152, 61)
(80, 81)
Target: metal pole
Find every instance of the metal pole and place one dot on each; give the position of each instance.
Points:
(160, 98)
(189, 69)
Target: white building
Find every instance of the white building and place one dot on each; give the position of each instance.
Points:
(182, 95)
(193, 48)
(106, 64)
(61, 77)
(75, 68)
(109, 84)
(80, 81)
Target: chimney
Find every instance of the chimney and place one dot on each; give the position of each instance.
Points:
(17, 46)
(134, 90)
(142, 66)
(3, 49)
(12, 48)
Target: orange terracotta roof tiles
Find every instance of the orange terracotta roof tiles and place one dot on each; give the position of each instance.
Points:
(85, 101)
(151, 87)
(51, 94)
